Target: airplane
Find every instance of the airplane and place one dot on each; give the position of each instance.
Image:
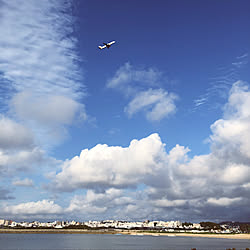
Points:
(106, 45)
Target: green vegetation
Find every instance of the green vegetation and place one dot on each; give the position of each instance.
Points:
(77, 227)
(245, 227)
(187, 224)
(210, 225)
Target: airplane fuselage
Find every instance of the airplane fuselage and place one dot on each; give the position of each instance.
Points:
(106, 45)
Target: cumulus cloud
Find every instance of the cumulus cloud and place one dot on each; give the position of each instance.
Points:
(219, 178)
(96, 203)
(174, 183)
(40, 65)
(43, 207)
(22, 160)
(236, 174)
(233, 131)
(112, 203)
(136, 84)
(114, 166)
(145, 181)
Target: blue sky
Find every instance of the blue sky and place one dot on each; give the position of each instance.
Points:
(156, 127)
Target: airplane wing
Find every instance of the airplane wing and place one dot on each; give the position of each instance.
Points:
(102, 47)
(110, 43)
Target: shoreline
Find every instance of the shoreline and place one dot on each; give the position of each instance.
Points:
(121, 232)
(203, 235)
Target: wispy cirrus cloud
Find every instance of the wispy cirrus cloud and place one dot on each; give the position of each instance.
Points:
(222, 83)
(142, 87)
(241, 60)
(37, 49)
(38, 56)
(41, 84)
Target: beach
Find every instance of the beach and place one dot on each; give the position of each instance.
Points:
(222, 236)
(125, 232)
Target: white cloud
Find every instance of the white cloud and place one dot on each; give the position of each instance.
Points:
(23, 183)
(224, 201)
(94, 202)
(222, 83)
(46, 110)
(37, 50)
(173, 183)
(230, 135)
(18, 149)
(236, 174)
(136, 84)
(225, 171)
(170, 185)
(21, 160)
(178, 155)
(14, 135)
(197, 166)
(200, 101)
(42, 207)
(108, 204)
(42, 87)
(79, 205)
(238, 101)
(39, 63)
(104, 166)
(157, 104)
(127, 78)
(169, 203)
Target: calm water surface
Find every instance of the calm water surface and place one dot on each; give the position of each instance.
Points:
(102, 242)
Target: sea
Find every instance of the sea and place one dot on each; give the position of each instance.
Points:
(110, 241)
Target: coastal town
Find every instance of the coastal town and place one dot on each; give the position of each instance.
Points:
(163, 226)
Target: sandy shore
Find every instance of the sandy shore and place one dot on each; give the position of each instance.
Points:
(225, 236)
(131, 232)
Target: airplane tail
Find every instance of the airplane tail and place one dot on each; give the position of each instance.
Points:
(101, 47)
